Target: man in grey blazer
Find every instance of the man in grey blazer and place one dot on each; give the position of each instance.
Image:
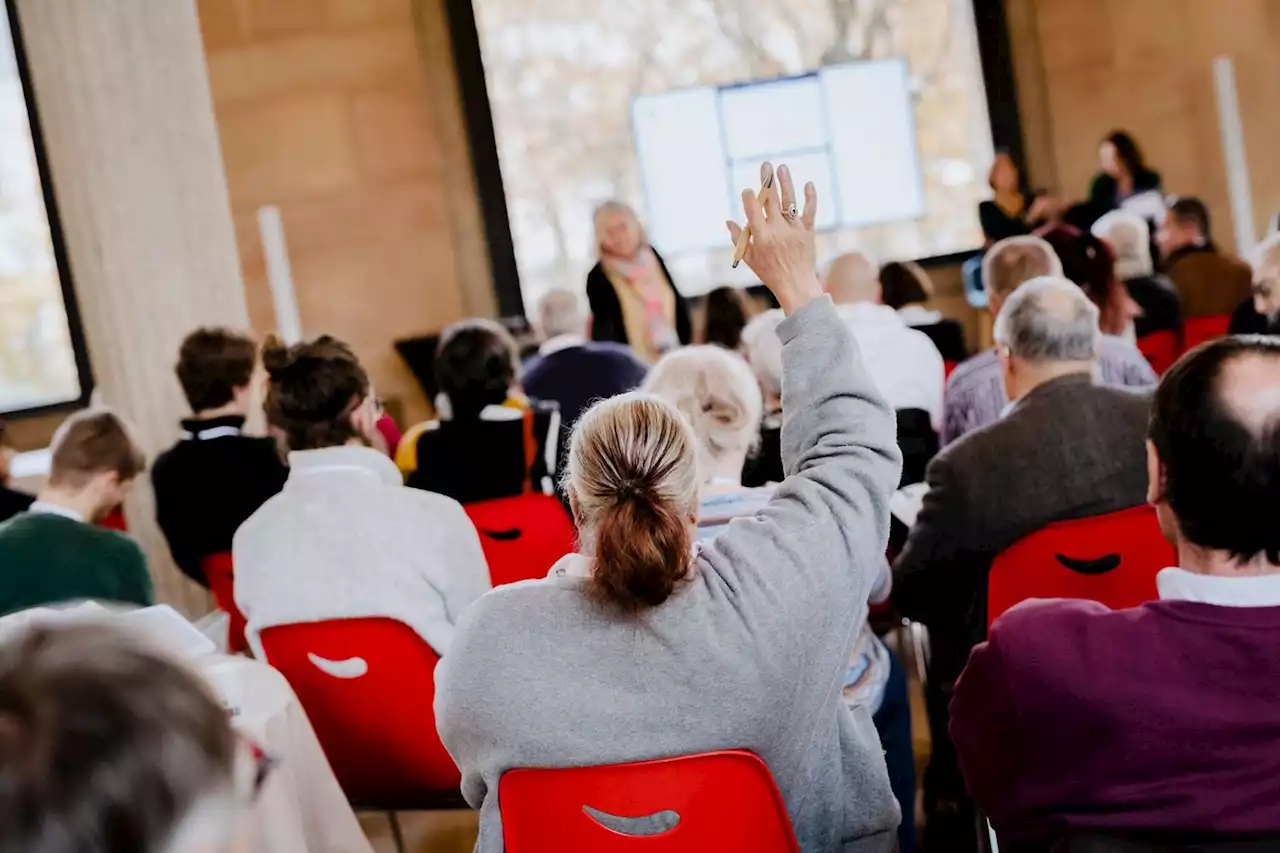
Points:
(1065, 448)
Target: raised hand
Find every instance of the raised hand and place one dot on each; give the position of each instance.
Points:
(781, 252)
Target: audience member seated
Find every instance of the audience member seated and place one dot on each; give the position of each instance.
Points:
(1261, 314)
(903, 363)
(1013, 208)
(1159, 721)
(727, 310)
(109, 747)
(215, 477)
(1210, 283)
(717, 394)
(1067, 449)
(1129, 238)
(976, 393)
(345, 538)
(488, 440)
(720, 399)
(55, 552)
(633, 299)
(12, 501)
(640, 646)
(905, 288)
(763, 350)
(1090, 263)
(571, 371)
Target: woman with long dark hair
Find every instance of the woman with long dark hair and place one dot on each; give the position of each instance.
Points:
(1124, 175)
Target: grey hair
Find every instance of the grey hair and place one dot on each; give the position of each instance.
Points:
(763, 349)
(1049, 319)
(716, 393)
(1012, 261)
(560, 312)
(1129, 236)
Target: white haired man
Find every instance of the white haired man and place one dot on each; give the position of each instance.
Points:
(1068, 448)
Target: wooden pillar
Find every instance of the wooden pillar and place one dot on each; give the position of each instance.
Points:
(122, 92)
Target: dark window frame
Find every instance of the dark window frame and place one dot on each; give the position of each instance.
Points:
(72, 306)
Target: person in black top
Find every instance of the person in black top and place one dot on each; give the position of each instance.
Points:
(489, 440)
(633, 298)
(905, 287)
(12, 501)
(1014, 209)
(1124, 174)
(215, 477)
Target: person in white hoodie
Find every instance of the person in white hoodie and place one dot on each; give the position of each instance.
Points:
(903, 363)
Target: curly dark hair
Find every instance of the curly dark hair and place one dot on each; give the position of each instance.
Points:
(313, 388)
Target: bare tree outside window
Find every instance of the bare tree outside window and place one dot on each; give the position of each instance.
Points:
(562, 75)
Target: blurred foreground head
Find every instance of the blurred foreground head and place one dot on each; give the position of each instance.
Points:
(106, 747)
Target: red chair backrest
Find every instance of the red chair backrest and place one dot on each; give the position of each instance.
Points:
(115, 520)
(220, 573)
(1112, 559)
(522, 536)
(723, 800)
(949, 367)
(1197, 330)
(367, 686)
(1161, 349)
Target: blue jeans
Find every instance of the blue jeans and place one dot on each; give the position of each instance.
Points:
(893, 722)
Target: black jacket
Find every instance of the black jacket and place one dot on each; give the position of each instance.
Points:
(13, 502)
(208, 484)
(485, 457)
(606, 310)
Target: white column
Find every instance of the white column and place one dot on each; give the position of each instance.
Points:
(1233, 153)
(123, 96)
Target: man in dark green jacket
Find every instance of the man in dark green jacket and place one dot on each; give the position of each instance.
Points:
(54, 553)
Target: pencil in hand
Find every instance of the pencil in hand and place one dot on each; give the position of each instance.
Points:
(745, 237)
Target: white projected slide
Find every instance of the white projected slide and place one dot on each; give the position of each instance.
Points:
(848, 128)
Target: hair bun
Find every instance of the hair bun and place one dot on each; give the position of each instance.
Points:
(276, 357)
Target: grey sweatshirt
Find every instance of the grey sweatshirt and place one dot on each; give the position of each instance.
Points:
(749, 654)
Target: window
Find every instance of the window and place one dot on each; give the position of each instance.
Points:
(574, 85)
(39, 365)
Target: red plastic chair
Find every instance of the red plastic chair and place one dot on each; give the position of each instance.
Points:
(1160, 349)
(721, 801)
(368, 686)
(219, 571)
(1112, 559)
(949, 367)
(115, 520)
(522, 536)
(1197, 330)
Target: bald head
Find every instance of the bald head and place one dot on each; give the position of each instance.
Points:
(1215, 428)
(852, 278)
(1049, 320)
(1266, 277)
(1014, 261)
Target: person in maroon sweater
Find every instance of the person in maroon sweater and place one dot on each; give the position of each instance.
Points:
(1159, 722)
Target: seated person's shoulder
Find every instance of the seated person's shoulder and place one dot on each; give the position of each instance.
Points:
(975, 368)
(1037, 638)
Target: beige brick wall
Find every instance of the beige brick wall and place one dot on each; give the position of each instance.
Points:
(332, 110)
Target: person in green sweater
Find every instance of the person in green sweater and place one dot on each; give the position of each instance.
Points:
(54, 553)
